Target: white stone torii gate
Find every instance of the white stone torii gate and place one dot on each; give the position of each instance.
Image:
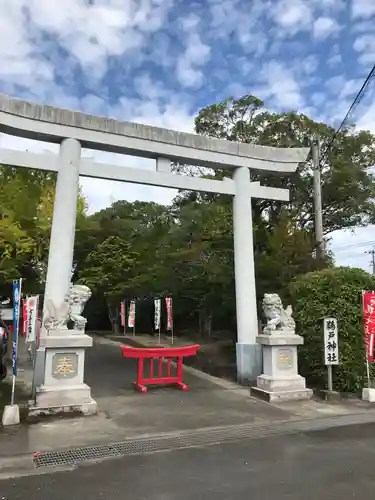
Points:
(74, 130)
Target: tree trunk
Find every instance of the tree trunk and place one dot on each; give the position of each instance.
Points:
(209, 325)
(200, 324)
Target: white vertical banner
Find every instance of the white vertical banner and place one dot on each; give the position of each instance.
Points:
(32, 315)
(131, 316)
(157, 304)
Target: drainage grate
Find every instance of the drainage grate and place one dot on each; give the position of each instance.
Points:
(197, 438)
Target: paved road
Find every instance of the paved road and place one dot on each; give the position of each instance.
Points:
(336, 464)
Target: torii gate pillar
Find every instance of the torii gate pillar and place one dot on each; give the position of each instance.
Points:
(248, 352)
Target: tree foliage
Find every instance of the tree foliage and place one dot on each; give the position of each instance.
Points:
(332, 293)
(347, 187)
(26, 205)
(26, 208)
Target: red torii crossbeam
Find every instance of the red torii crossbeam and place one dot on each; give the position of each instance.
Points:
(161, 354)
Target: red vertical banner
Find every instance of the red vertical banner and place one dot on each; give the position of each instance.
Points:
(122, 313)
(368, 303)
(24, 316)
(168, 305)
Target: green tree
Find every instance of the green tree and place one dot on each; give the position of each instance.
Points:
(347, 187)
(109, 270)
(26, 209)
(26, 199)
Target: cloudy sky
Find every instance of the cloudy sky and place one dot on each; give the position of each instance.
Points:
(159, 61)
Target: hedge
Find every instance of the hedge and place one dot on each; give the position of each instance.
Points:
(333, 292)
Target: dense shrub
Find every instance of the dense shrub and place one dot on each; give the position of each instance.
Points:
(333, 292)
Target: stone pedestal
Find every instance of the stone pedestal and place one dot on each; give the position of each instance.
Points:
(280, 380)
(63, 389)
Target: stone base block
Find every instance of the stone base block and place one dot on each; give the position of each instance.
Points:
(249, 362)
(11, 415)
(55, 400)
(280, 384)
(281, 396)
(368, 394)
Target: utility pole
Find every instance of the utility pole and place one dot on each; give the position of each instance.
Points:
(315, 152)
(372, 253)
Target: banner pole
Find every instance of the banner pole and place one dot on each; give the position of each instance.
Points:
(125, 318)
(172, 321)
(134, 319)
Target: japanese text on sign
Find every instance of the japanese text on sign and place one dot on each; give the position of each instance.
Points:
(369, 324)
(331, 342)
(157, 304)
(131, 317)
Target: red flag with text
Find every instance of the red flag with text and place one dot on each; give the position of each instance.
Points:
(122, 313)
(168, 304)
(368, 302)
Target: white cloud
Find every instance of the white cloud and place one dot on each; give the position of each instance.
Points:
(282, 85)
(241, 20)
(190, 22)
(293, 15)
(342, 88)
(89, 32)
(367, 121)
(195, 56)
(308, 65)
(362, 8)
(324, 27)
(335, 60)
(365, 44)
(318, 98)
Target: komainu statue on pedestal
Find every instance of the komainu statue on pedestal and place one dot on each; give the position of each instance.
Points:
(57, 317)
(279, 320)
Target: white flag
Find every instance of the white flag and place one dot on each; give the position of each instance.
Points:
(157, 303)
(131, 317)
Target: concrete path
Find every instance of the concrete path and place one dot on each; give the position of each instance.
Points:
(209, 402)
(210, 405)
(336, 464)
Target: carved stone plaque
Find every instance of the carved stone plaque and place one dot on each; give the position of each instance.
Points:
(284, 359)
(64, 365)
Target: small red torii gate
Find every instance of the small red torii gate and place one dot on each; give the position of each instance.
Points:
(162, 354)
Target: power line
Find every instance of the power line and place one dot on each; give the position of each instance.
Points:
(372, 253)
(354, 245)
(355, 102)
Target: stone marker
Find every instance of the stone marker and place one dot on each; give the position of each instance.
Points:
(280, 380)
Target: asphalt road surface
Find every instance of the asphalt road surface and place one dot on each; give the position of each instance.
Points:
(336, 464)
